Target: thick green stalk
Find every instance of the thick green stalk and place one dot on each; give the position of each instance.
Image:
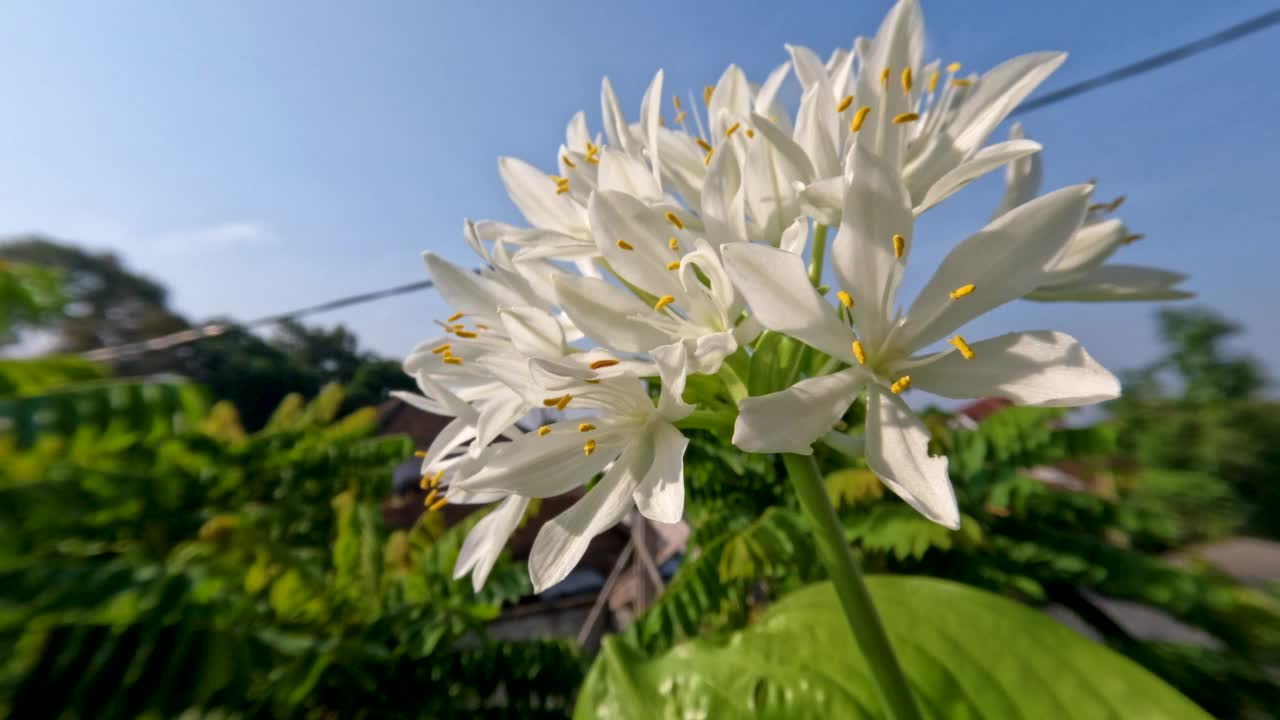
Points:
(819, 254)
(891, 682)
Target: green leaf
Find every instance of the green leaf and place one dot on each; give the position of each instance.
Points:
(967, 653)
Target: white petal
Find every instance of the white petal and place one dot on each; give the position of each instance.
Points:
(1021, 178)
(575, 134)
(796, 237)
(809, 69)
(650, 122)
(618, 216)
(673, 370)
(876, 207)
(997, 93)
(709, 351)
(561, 542)
(776, 285)
(534, 193)
(1111, 283)
(817, 129)
(498, 411)
(982, 162)
(534, 332)
(897, 446)
(466, 291)
(1090, 247)
(615, 125)
(730, 102)
(824, 199)
(603, 313)
(1044, 369)
(723, 199)
(624, 173)
(660, 495)
(769, 89)
(541, 466)
(791, 420)
(1003, 261)
(484, 543)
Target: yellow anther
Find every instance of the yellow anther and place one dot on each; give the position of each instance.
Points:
(961, 291)
(1116, 203)
(845, 298)
(435, 479)
(673, 265)
(706, 94)
(440, 349)
(455, 317)
(424, 483)
(481, 326)
(905, 118)
(673, 243)
(899, 246)
(900, 384)
(560, 180)
(438, 504)
(884, 77)
(858, 353)
(959, 344)
(661, 122)
(750, 133)
(610, 362)
(431, 496)
(703, 144)
(562, 189)
(961, 82)
(464, 334)
(679, 119)
(953, 67)
(844, 103)
(544, 431)
(1095, 207)
(663, 301)
(858, 118)
(671, 218)
(588, 447)
(729, 131)
(706, 159)
(906, 80)
(420, 453)
(675, 100)
(624, 245)
(563, 402)
(1132, 238)
(554, 401)
(567, 162)
(452, 360)
(586, 427)
(933, 81)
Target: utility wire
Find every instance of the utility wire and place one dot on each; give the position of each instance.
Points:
(1146, 65)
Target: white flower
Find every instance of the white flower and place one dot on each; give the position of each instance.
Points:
(636, 441)
(1002, 262)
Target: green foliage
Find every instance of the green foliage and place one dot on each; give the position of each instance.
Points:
(967, 653)
(29, 296)
(32, 377)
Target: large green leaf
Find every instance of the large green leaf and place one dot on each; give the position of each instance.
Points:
(968, 653)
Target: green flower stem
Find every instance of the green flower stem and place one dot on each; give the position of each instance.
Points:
(702, 419)
(819, 254)
(891, 682)
(733, 382)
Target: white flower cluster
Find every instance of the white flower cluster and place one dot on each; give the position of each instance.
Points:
(669, 249)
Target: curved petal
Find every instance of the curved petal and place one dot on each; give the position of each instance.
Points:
(534, 194)
(615, 125)
(561, 542)
(484, 543)
(982, 162)
(1021, 178)
(791, 420)
(1111, 283)
(997, 93)
(1003, 261)
(650, 122)
(660, 495)
(466, 291)
(817, 129)
(723, 200)
(795, 237)
(897, 447)
(634, 239)
(1090, 247)
(533, 331)
(673, 370)
(1043, 369)
(624, 173)
(730, 102)
(809, 69)
(777, 287)
(540, 466)
(604, 312)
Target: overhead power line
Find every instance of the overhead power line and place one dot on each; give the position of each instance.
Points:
(1146, 65)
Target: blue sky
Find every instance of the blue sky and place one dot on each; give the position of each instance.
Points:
(262, 156)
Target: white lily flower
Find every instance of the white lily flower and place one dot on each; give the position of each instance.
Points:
(636, 441)
(1002, 262)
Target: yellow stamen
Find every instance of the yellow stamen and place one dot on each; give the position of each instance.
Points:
(671, 218)
(961, 291)
(673, 265)
(663, 301)
(844, 103)
(675, 100)
(899, 246)
(933, 82)
(750, 133)
(906, 80)
(845, 299)
(729, 131)
(706, 94)
(464, 334)
(567, 161)
(553, 401)
(901, 384)
(961, 82)
(481, 326)
(588, 447)
(858, 353)
(563, 402)
(959, 344)
(1132, 238)
(543, 431)
(454, 317)
(703, 144)
(586, 427)
(438, 504)
(679, 119)
(452, 360)
(1116, 203)
(562, 189)
(706, 159)
(905, 118)
(440, 349)
(661, 122)
(559, 180)
(435, 479)
(431, 496)
(420, 453)
(858, 118)
(673, 243)
(624, 245)
(953, 67)
(884, 77)
(603, 364)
